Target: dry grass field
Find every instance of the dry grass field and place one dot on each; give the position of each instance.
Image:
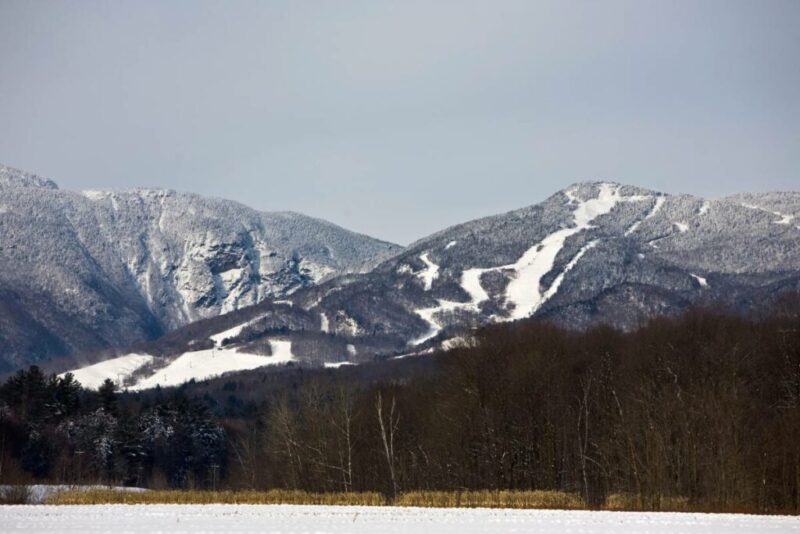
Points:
(111, 496)
(427, 499)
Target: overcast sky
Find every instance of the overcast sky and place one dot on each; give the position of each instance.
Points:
(397, 119)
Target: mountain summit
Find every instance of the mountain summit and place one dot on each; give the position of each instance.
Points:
(10, 176)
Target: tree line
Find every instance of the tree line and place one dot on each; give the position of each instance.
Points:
(52, 430)
(704, 407)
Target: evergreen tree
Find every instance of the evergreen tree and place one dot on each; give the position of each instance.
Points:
(108, 396)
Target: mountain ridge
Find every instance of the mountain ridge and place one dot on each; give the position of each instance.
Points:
(87, 271)
(595, 252)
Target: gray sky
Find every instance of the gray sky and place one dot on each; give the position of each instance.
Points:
(397, 119)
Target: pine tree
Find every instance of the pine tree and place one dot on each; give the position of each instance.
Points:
(108, 397)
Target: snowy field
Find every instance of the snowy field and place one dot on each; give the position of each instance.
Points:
(137, 519)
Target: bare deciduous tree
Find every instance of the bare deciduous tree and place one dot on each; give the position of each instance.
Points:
(388, 427)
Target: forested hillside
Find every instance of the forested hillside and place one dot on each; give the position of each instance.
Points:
(703, 408)
(97, 270)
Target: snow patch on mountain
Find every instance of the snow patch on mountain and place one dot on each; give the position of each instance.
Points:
(193, 365)
(336, 365)
(117, 369)
(471, 282)
(430, 273)
(346, 325)
(553, 289)
(784, 217)
(681, 226)
(95, 195)
(524, 291)
(429, 316)
(700, 280)
(230, 333)
(315, 271)
(652, 213)
(281, 351)
(405, 269)
(204, 364)
(455, 343)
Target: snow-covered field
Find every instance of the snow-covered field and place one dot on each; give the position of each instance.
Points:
(342, 519)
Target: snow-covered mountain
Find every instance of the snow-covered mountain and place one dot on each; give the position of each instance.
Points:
(97, 269)
(592, 253)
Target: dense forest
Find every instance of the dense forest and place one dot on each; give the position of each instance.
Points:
(704, 407)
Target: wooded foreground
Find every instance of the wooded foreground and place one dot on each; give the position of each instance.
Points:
(698, 412)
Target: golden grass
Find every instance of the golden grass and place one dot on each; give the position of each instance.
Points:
(556, 500)
(632, 502)
(215, 497)
(492, 499)
(436, 499)
(536, 499)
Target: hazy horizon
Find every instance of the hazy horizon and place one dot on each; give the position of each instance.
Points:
(399, 119)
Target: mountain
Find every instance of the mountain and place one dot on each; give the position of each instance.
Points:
(86, 271)
(593, 253)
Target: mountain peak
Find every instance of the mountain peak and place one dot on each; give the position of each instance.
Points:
(625, 189)
(9, 176)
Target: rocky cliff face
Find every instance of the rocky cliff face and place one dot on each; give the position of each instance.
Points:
(83, 271)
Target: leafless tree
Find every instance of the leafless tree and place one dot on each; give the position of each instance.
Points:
(388, 427)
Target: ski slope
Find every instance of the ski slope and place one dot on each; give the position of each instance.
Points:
(203, 364)
(524, 292)
(196, 365)
(430, 273)
(358, 519)
(117, 369)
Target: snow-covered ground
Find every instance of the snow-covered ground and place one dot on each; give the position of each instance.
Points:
(341, 519)
(281, 351)
(203, 364)
(230, 333)
(198, 365)
(117, 369)
(430, 273)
